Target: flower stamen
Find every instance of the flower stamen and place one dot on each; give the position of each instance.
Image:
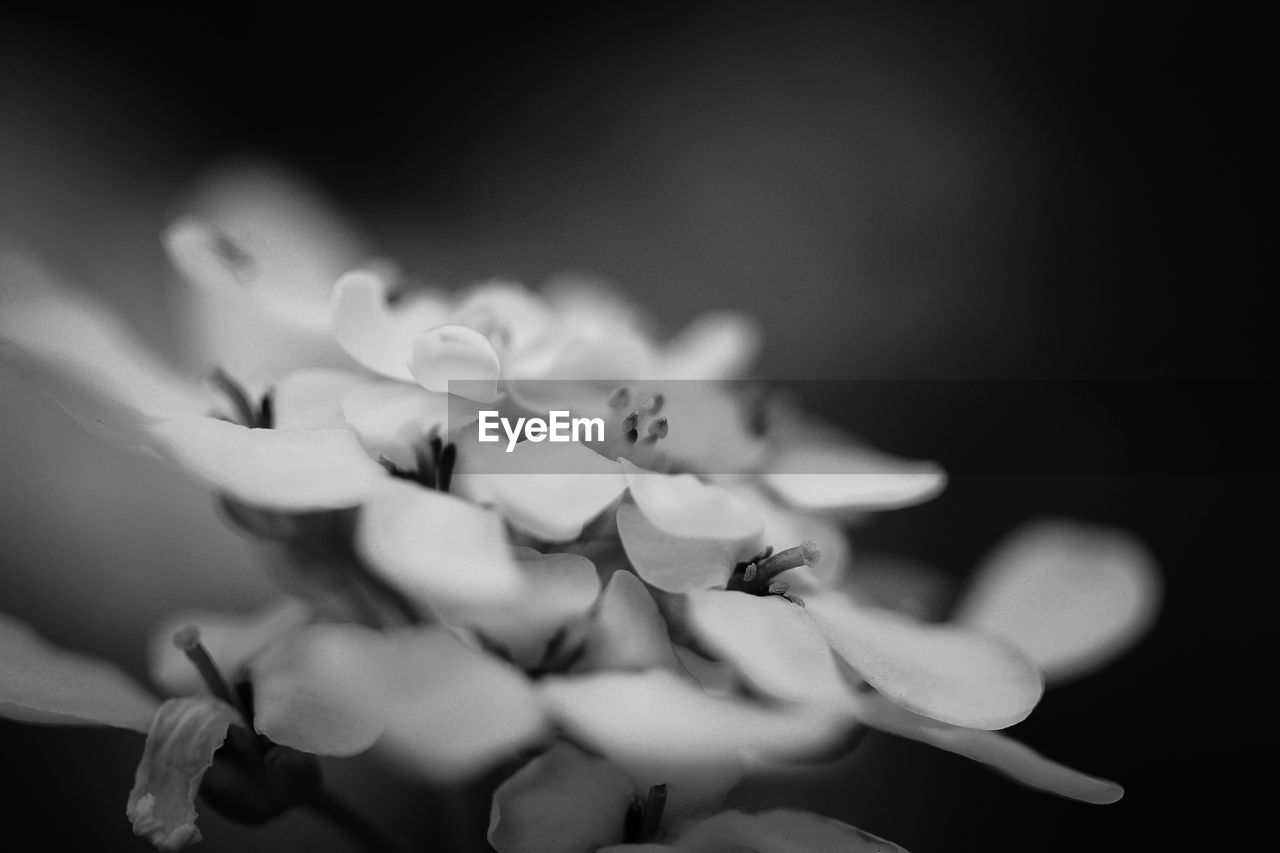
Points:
(759, 575)
(187, 640)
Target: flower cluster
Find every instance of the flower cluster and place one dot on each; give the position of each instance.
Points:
(639, 619)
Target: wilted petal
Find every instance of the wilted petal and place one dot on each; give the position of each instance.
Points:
(780, 831)
(312, 399)
(682, 505)
(661, 727)
(260, 232)
(458, 360)
(43, 684)
(75, 350)
(1071, 596)
(716, 346)
(563, 801)
(230, 638)
(626, 632)
(376, 334)
(439, 548)
(822, 476)
(293, 470)
(1015, 760)
(180, 745)
(945, 672)
(674, 563)
(394, 418)
(547, 490)
(772, 642)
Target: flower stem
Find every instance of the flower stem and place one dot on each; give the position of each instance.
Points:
(361, 830)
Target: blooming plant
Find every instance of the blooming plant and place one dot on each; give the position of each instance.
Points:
(629, 621)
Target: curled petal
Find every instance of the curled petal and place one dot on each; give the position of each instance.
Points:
(439, 548)
(43, 684)
(1000, 752)
(230, 638)
(682, 505)
(823, 476)
(952, 674)
(627, 631)
(673, 563)
(772, 642)
(457, 360)
(780, 831)
(563, 801)
(374, 333)
(1071, 596)
(293, 470)
(184, 736)
(312, 399)
(548, 490)
(716, 346)
(78, 353)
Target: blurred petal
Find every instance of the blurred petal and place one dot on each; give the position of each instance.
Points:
(556, 589)
(439, 548)
(293, 470)
(260, 232)
(673, 563)
(373, 332)
(230, 638)
(627, 632)
(948, 673)
(682, 505)
(563, 801)
(180, 745)
(850, 477)
(312, 399)
(662, 728)
(393, 418)
(43, 684)
(75, 350)
(1001, 753)
(780, 831)
(509, 314)
(456, 359)
(1071, 596)
(715, 346)
(709, 429)
(547, 490)
(772, 642)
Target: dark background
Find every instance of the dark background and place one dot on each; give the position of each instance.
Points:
(900, 191)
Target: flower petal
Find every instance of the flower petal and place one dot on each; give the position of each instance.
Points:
(293, 470)
(312, 399)
(780, 831)
(682, 505)
(180, 745)
(627, 631)
(673, 563)
(393, 418)
(716, 346)
(439, 548)
(548, 490)
(850, 477)
(1071, 596)
(1001, 753)
(374, 333)
(945, 672)
(230, 638)
(563, 801)
(76, 351)
(457, 360)
(43, 684)
(709, 428)
(263, 233)
(772, 642)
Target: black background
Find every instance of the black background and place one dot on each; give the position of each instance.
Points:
(1126, 246)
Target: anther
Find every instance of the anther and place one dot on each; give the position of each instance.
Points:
(783, 590)
(657, 428)
(620, 398)
(187, 640)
